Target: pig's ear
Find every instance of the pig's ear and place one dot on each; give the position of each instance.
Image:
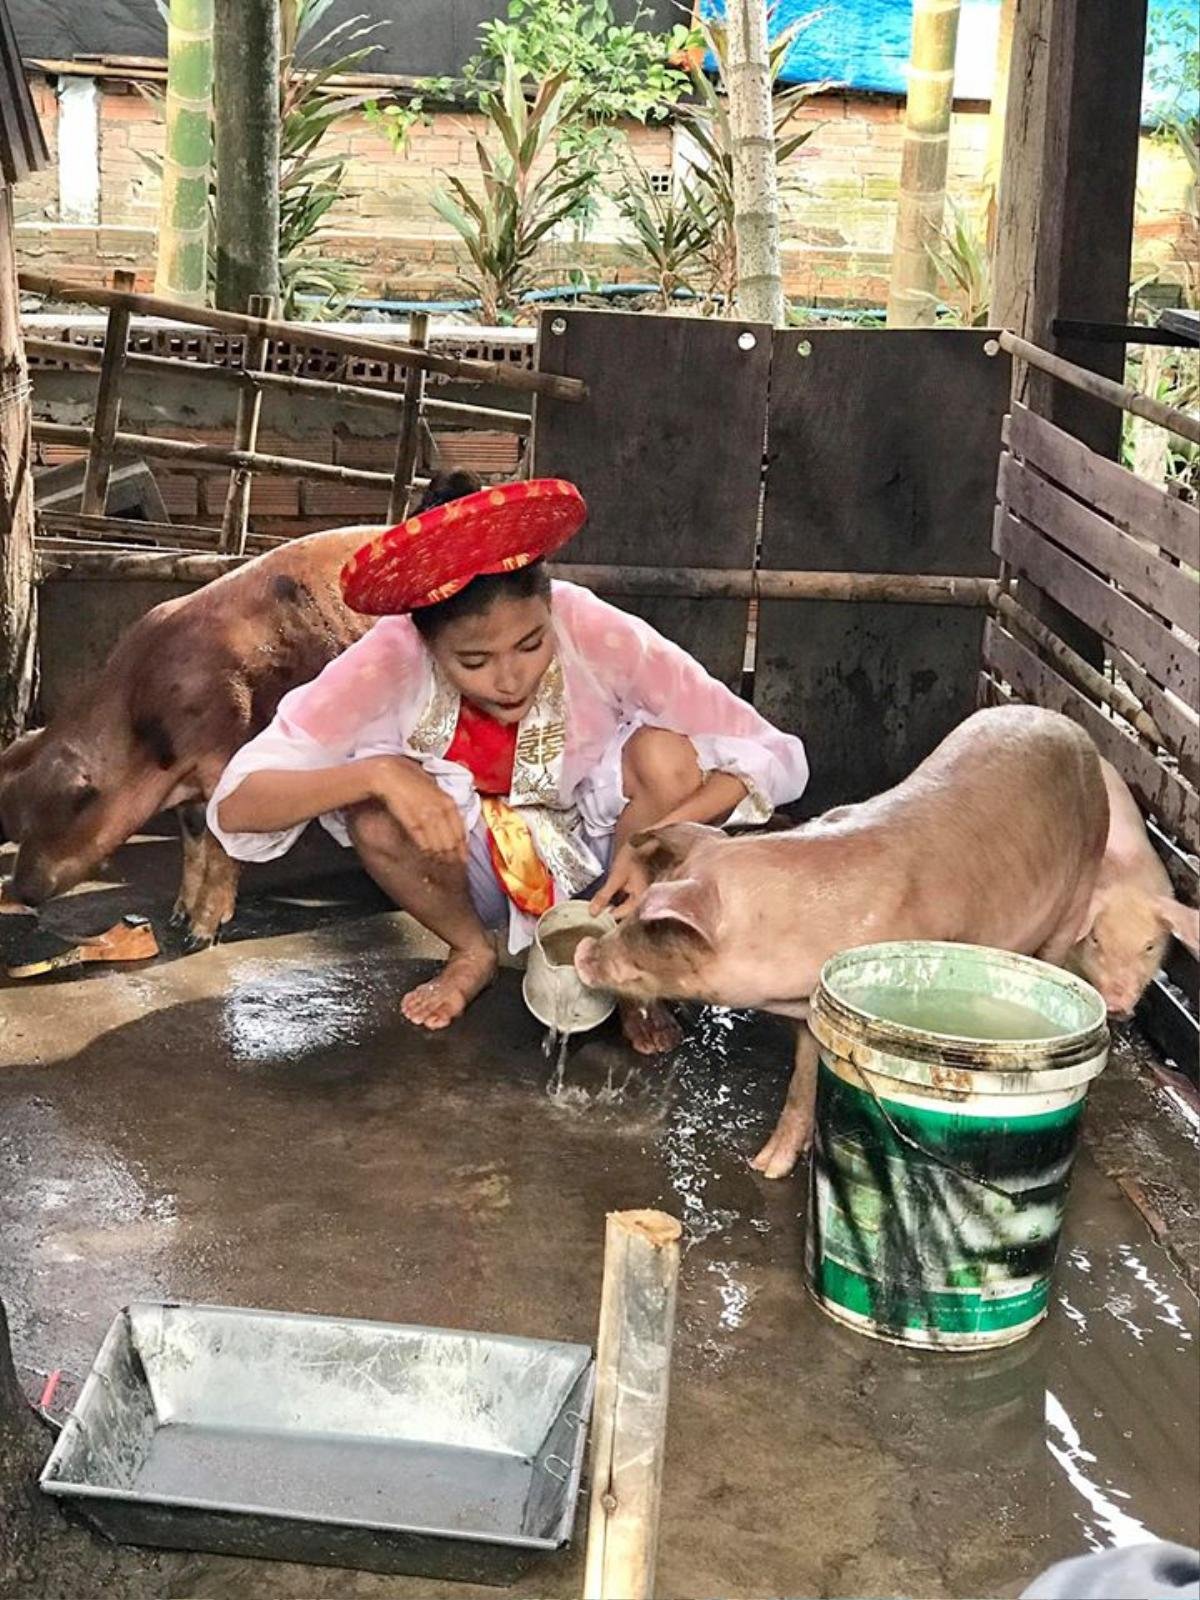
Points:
(683, 903)
(17, 755)
(664, 848)
(1183, 921)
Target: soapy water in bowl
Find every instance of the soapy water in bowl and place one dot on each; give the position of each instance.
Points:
(958, 1013)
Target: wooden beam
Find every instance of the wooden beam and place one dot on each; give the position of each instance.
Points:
(18, 560)
(1065, 230)
(309, 336)
(108, 402)
(629, 1418)
(408, 441)
(214, 457)
(1158, 790)
(369, 396)
(236, 514)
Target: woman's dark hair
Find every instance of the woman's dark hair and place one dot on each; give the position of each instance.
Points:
(478, 596)
(525, 584)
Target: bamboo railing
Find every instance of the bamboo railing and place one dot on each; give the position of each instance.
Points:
(104, 441)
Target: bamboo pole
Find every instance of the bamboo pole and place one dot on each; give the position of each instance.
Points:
(913, 296)
(18, 560)
(629, 1419)
(213, 457)
(182, 266)
(693, 583)
(236, 515)
(308, 336)
(1117, 394)
(108, 402)
(71, 525)
(1080, 672)
(409, 440)
(369, 397)
(697, 583)
(755, 169)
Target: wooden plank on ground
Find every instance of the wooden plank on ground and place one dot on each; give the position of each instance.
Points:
(1121, 495)
(1160, 792)
(882, 457)
(667, 450)
(1168, 590)
(1166, 656)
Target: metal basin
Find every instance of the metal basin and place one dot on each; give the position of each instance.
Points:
(353, 1444)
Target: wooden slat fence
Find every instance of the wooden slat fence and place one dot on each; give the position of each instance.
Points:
(1123, 557)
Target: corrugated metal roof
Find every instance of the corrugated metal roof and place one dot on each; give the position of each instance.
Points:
(22, 144)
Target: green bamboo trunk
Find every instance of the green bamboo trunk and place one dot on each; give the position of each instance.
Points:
(182, 268)
(912, 300)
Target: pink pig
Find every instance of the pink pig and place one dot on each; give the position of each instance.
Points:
(995, 839)
(1134, 912)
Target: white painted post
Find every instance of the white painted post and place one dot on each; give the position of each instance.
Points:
(78, 151)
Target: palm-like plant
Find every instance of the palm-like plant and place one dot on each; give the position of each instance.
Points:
(672, 231)
(528, 187)
(707, 124)
(310, 183)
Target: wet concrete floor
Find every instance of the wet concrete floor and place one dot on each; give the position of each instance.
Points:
(256, 1125)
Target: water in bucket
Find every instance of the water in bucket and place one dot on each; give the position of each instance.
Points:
(949, 1097)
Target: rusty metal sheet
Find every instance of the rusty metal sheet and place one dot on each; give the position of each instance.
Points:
(882, 455)
(667, 450)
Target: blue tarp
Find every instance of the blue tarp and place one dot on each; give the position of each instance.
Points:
(864, 43)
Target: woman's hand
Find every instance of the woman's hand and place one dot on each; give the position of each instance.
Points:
(627, 882)
(411, 798)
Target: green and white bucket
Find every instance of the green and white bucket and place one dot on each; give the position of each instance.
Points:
(949, 1096)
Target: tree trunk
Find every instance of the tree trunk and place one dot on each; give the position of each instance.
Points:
(246, 60)
(996, 113)
(182, 269)
(18, 596)
(912, 301)
(755, 178)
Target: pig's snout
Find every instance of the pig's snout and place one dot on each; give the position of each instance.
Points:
(586, 965)
(34, 881)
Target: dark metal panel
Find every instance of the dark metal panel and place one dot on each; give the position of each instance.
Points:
(420, 37)
(667, 450)
(22, 146)
(882, 455)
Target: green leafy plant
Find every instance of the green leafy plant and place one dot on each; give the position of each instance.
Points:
(706, 121)
(610, 71)
(964, 268)
(671, 231)
(528, 187)
(311, 183)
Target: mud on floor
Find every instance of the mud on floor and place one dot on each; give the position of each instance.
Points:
(257, 1126)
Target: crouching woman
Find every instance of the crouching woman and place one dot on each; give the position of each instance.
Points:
(496, 740)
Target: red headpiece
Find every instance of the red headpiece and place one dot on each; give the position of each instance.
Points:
(432, 556)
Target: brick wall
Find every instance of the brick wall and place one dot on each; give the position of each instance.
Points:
(837, 240)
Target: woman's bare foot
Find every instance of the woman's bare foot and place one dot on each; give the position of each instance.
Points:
(650, 1029)
(436, 1004)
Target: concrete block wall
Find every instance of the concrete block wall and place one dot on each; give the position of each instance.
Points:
(841, 201)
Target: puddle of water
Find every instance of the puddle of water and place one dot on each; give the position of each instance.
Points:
(280, 1015)
(1112, 1525)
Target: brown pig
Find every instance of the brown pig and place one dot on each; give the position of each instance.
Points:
(1133, 912)
(187, 685)
(995, 839)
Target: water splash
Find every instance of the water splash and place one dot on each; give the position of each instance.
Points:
(1118, 1527)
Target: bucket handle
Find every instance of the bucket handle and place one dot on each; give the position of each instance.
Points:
(915, 1144)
